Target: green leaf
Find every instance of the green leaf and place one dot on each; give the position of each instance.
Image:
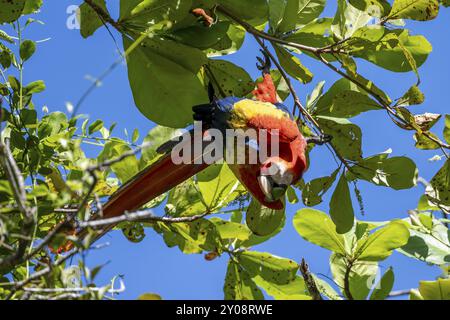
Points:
(431, 245)
(341, 208)
(348, 104)
(314, 190)
(29, 118)
(229, 43)
(27, 49)
(238, 284)
(4, 36)
(384, 286)
(231, 230)
(277, 10)
(316, 227)
(421, 10)
(11, 10)
(440, 186)
(326, 289)
(134, 232)
(359, 278)
(185, 200)
(218, 186)
(156, 137)
(191, 238)
(95, 126)
(287, 15)
(138, 13)
(164, 82)
(447, 128)
(200, 36)
(347, 20)
(375, 8)
(149, 296)
(89, 19)
(294, 290)
(396, 172)
(435, 290)
(255, 12)
(263, 221)
(255, 239)
(32, 6)
(135, 136)
(346, 136)
(395, 50)
(314, 34)
(425, 143)
(325, 101)
(379, 245)
(414, 96)
(271, 268)
(293, 66)
(34, 87)
(125, 169)
(232, 79)
(309, 10)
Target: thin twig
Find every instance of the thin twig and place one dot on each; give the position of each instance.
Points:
(16, 182)
(143, 216)
(399, 293)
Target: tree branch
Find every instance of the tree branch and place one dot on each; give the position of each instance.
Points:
(16, 182)
(309, 281)
(142, 216)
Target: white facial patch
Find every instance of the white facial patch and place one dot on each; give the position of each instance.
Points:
(279, 173)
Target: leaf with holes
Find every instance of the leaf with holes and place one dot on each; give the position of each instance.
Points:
(271, 268)
(238, 284)
(346, 136)
(231, 79)
(421, 10)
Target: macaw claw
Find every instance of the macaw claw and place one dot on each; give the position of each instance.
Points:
(264, 64)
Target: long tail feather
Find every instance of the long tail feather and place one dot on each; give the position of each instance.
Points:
(152, 182)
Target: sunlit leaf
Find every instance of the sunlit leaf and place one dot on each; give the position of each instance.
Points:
(262, 220)
(421, 10)
(239, 286)
(435, 290)
(379, 245)
(294, 290)
(271, 268)
(355, 279)
(293, 66)
(316, 227)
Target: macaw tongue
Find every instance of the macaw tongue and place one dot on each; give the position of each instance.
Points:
(278, 192)
(272, 192)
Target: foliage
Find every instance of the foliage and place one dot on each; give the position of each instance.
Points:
(48, 183)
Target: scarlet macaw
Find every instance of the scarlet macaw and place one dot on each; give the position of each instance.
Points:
(266, 181)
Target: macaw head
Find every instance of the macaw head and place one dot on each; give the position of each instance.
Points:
(275, 178)
(279, 172)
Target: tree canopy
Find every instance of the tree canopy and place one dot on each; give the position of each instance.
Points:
(173, 50)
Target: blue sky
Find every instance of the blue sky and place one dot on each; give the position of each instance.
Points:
(66, 59)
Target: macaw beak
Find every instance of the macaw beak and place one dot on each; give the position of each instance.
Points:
(271, 190)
